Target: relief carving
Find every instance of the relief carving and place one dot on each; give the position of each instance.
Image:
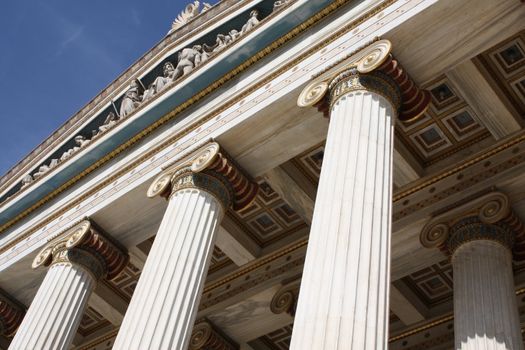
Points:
(188, 59)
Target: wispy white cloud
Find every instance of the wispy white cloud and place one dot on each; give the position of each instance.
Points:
(135, 17)
(70, 38)
(75, 37)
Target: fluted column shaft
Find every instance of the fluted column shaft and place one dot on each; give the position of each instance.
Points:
(55, 313)
(165, 302)
(482, 237)
(164, 305)
(343, 300)
(77, 259)
(485, 306)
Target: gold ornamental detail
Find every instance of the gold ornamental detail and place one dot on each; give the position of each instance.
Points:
(350, 80)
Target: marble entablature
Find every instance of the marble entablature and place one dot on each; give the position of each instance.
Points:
(137, 94)
(217, 15)
(231, 115)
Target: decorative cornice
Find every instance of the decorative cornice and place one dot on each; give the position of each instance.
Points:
(86, 245)
(111, 92)
(11, 314)
(489, 217)
(205, 336)
(285, 300)
(211, 169)
(175, 112)
(375, 57)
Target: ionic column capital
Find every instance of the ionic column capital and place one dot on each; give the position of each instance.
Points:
(352, 80)
(209, 169)
(371, 68)
(11, 314)
(206, 337)
(473, 229)
(285, 300)
(489, 217)
(86, 246)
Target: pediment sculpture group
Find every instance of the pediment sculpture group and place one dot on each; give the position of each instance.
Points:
(188, 59)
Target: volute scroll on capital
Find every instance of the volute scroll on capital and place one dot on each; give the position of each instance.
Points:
(211, 169)
(285, 299)
(375, 62)
(488, 217)
(86, 245)
(205, 336)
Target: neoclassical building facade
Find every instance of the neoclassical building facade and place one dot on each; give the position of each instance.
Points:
(291, 174)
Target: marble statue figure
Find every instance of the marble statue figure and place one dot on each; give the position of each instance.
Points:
(231, 36)
(111, 120)
(81, 141)
(220, 43)
(189, 58)
(132, 99)
(149, 92)
(279, 4)
(45, 168)
(161, 82)
(251, 23)
(28, 179)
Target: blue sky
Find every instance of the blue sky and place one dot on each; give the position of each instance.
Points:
(55, 55)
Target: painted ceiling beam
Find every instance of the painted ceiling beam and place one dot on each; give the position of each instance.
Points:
(479, 93)
(291, 192)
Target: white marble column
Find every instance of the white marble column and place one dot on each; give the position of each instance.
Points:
(164, 305)
(77, 260)
(56, 310)
(343, 300)
(163, 308)
(485, 307)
